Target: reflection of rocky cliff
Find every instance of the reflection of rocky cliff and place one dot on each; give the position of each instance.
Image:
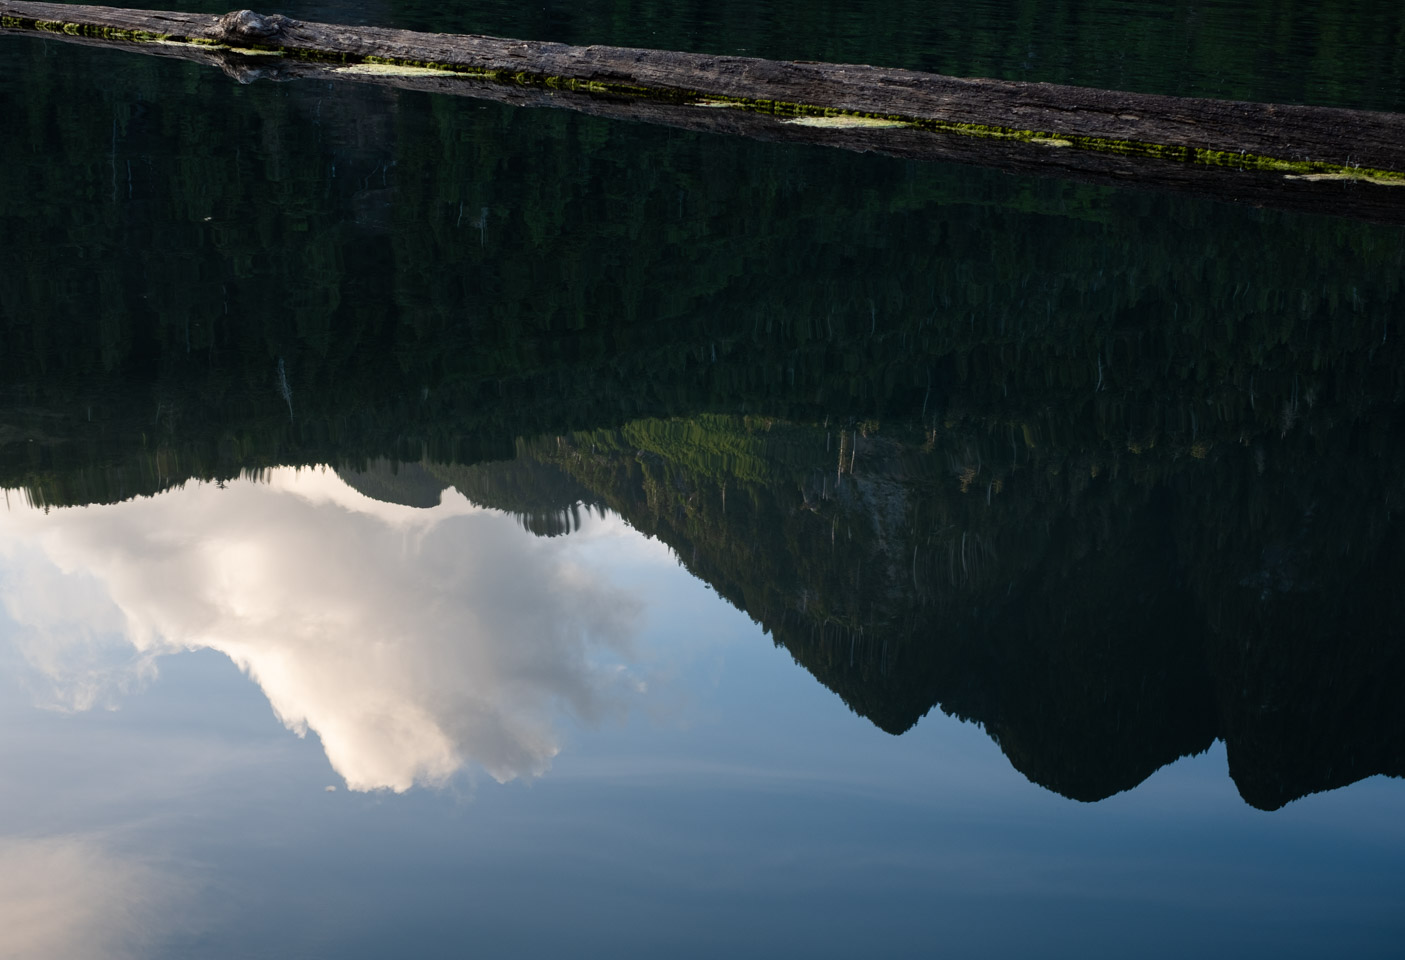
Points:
(1099, 615)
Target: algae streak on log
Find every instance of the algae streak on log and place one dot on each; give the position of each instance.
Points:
(1333, 161)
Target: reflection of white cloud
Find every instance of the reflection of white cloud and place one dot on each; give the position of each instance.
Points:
(65, 624)
(67, 897)
(411, 641)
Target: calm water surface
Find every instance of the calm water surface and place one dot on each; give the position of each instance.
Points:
(436, 528)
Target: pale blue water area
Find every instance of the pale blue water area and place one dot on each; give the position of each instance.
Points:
(732, 805)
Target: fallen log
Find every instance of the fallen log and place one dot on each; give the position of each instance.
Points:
(1335, 161)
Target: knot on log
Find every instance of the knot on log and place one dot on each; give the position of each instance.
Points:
(245, 26)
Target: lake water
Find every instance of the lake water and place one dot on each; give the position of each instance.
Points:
(439, 528)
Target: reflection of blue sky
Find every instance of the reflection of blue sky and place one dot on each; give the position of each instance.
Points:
(737, 808)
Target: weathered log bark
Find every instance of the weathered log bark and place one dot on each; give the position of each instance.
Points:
(1341, 162)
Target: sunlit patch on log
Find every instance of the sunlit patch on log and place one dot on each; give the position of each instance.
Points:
(847, 123)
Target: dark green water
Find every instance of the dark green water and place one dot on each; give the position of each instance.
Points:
(1111, 473)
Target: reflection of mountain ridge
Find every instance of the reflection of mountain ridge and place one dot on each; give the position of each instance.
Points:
(1083, 622)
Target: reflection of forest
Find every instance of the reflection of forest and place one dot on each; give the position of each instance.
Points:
(213, 313)
(1111, 474)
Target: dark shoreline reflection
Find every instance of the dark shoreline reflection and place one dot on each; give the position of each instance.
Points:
(1099, 615)
(304, 275)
